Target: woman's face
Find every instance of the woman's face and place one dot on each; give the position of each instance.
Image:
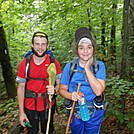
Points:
(85, 51)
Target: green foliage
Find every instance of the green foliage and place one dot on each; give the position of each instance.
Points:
(131, 126)
(10, 105)
(59, 128)
(52, 73)
(60, 104)
(9, 108)
(121, 92)
(59, 19)
(120, 87)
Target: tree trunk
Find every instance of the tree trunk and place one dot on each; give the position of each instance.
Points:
(103, 40)
(128, 40)
(113, 41)
(6, 66)
(89, 21)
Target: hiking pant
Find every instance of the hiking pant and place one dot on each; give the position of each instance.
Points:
(41, 118)
(87, 127)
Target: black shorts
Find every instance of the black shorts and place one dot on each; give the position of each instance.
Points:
(41, 119)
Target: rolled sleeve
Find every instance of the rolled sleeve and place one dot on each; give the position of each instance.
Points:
(101, 73)
(21, 80)
(65, 78)
(58, 76)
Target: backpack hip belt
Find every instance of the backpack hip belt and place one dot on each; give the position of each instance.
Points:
(91, 110)
(32, 94)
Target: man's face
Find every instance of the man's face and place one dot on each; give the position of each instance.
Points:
(40, 46)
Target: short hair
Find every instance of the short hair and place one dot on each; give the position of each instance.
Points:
(39, 34)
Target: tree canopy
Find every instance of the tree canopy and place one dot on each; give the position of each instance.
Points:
(60, 19)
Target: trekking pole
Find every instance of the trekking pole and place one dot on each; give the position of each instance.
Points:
(72, 110)
(49, 113)
(52, 77)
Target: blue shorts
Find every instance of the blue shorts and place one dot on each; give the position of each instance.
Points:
(87, 127)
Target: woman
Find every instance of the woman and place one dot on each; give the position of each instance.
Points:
(92, 84)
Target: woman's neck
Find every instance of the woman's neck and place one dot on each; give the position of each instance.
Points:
(82, 62)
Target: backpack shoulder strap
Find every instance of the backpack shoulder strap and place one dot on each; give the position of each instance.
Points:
(51, 59)
(28, 59)
(95, 65)
(73, 67)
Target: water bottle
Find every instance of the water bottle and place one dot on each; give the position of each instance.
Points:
(83, 107)
(99, 102)
(27, 124)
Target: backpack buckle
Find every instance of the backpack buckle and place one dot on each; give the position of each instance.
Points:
(33, 95)
(39, 94)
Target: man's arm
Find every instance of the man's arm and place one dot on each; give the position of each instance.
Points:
(20, 94)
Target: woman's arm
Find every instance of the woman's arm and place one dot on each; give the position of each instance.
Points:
(64, 93)
(97, 85)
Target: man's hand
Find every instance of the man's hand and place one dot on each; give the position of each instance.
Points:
(50, 90)
(22, 118)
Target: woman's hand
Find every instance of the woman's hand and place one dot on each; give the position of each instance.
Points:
(89, 63)
(75, 96)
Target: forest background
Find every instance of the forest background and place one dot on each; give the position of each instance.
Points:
(112, 23)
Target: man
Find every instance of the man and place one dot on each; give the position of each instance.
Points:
(33, 90)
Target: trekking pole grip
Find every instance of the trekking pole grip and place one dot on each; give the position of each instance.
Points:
(72, 109)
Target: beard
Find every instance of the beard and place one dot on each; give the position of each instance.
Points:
(36, 53)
